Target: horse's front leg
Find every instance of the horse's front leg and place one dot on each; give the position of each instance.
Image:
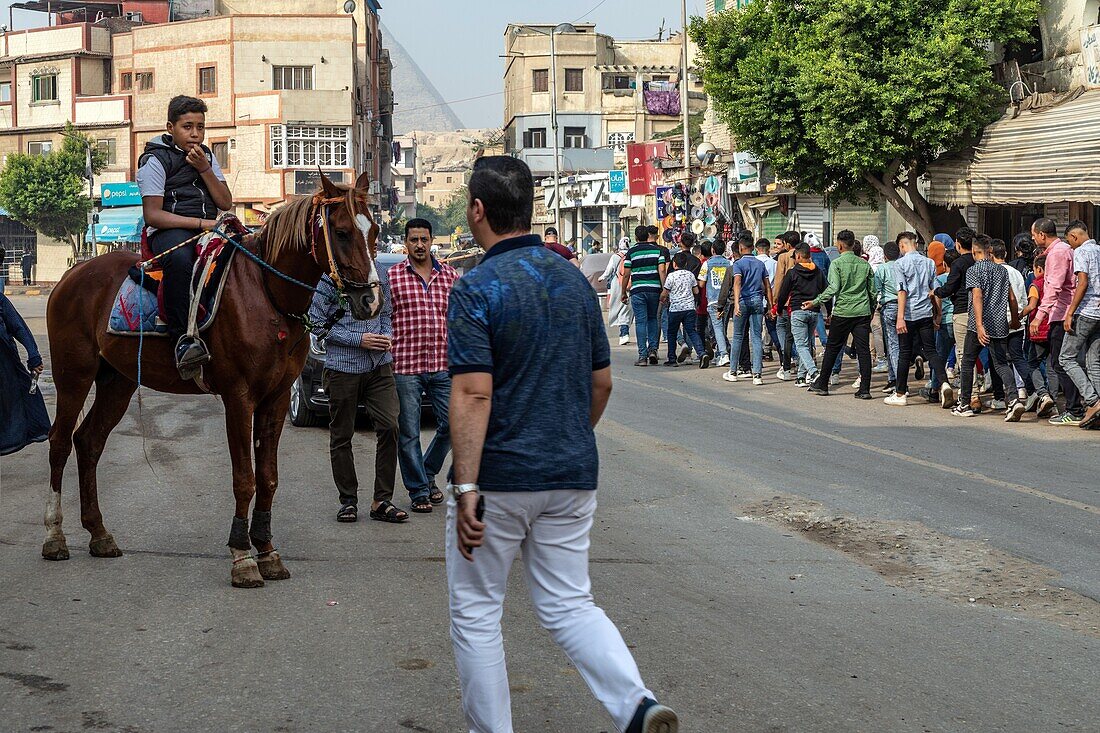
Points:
(238, 423)
(269, 421)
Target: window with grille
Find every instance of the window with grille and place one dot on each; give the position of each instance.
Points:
(208, 80)
(575, 137)
(143, 80)
(574, 80)
(39, 148)
(617, 141)
(292, 77)
(294, 146)
(109, 147)
(534, 138)
(44, 88)
(540, 80)
(126, 81)
(221, 154)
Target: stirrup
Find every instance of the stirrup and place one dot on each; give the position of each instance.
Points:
(191, 356)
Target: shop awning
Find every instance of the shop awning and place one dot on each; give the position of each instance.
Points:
(122, 224)
(1043, 155)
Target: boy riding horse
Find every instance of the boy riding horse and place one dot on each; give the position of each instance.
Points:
(182, 189)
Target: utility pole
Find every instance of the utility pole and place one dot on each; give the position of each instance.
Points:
(684, 88)
(554, 131)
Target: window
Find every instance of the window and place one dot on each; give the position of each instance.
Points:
(410, 161)
(143, 80)
(617, 140)
(126, 81)
(429, 179)
(292, 77)
(208, 80)
(574, 80)
(5, 91)
(449, 179)
(108, 146)
(618, 81)
(294, 146)
(431, 198)
(221, 154)
(534, 138)
(410, 187)
(540, 80)
(44, 88)
(575, 137)
(39, 148)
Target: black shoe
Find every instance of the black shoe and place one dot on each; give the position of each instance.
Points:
(642, 361)
(653, 358)
(918, 368)
(652, 717)
(863, 396)
(672, 363)
(191, 355)
(705, 361)
(818, 391)
(768, 356)
(685, 352)
(889, 388)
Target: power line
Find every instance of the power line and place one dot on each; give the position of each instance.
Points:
(601, 2)
(457, 101)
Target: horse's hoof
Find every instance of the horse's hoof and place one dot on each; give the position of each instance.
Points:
(104, 547)
(55, 549)
(271, 566)
(246, 574)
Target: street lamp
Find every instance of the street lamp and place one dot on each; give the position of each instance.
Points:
(561, 28)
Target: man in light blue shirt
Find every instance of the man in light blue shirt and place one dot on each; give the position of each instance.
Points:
(711, 276)
(918, 314)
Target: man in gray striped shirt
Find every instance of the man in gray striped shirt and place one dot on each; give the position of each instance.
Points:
(359, 366)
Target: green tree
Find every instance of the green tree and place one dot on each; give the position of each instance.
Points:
(48, 193)
(447, 219)
(853, 98)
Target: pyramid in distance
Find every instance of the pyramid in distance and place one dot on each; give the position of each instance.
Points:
(420, 106)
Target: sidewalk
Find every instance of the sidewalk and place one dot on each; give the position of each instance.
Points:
(11, 290)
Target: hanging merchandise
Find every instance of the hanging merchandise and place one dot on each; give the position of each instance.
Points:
(697, 226)
(697, 199)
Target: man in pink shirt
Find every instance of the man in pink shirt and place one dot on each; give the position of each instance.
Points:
(1058, 286)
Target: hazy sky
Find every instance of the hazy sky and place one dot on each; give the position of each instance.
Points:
(457, 44)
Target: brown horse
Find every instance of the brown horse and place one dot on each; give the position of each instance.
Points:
(254, 362)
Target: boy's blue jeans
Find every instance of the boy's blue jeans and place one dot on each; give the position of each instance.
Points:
(751, 318)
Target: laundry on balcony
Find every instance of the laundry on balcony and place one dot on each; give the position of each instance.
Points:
(662, 103)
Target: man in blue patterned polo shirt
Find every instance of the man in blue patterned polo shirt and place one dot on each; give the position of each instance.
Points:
(359, 366)
(531, 371)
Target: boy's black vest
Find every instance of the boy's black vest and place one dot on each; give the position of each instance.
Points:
(185, 192)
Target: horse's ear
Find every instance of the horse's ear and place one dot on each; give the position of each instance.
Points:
(329, 188)
(362, 183)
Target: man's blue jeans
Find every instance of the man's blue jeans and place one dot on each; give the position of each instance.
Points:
(646, 322)
(803, 324)
(721, 343)
(889, 316)
(418, 469)
(751, 318)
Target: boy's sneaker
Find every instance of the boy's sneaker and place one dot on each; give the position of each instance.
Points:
(783, 375)
(672, 363)
(685, 352)
(818, 391)
(856, 384)
(1015, 411)
(653, 358)
(897, 400)
(730, 377)
(864, 396)
(1045, 407)
(624, 340)
(723, 360)
(928, 395)
(1032, 402)
(757, 380)
(811, 379)
(918, 368)
(950, 374)
(800, 381)
(889, 388)
(998, 404)
(1092, 416)
(652, 717)
(834, 380)
(1066, 418)
(642, 361)
(743, 372)
(704, 361)
(947, 396)
(881, 367)
(961, 410)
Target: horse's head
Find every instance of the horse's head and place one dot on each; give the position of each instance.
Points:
(353, 236)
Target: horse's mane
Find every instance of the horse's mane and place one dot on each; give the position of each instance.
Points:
(288, 227)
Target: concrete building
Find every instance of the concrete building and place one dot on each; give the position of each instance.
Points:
(444, 161)
(404, 175)
(609, 92)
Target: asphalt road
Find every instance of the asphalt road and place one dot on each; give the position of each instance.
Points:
(918, 572)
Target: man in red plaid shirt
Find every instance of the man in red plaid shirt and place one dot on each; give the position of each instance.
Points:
(420, 287)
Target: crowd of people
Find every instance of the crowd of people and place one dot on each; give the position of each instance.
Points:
(968, 322)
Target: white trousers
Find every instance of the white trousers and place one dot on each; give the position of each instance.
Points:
(551, 527)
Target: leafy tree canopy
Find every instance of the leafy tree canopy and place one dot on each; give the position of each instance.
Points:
(447, 219)
(853, 98)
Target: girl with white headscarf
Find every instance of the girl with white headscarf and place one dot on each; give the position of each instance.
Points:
(618, 313)
(876, 257)
(872, 247)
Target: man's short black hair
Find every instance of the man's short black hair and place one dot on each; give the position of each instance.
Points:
(802, 250)
(891, 250)
(652, 231)
(950, 256)
(505, 187)
(1076, 225)
(641, 232)
(1000, 251)
(1045, 226)
(965, 237)
(1041, 261)
(792, 238)
(687, 239)
(681, 259)
(707, 249)
(550, 231)
(846, 237)
(983, 243)
(418, 224)
(746, 240)
(910, 236)
(184, 105)
(764, 242)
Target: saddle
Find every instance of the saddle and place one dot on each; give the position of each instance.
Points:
(139, 305)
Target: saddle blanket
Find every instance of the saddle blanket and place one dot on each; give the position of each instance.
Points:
(140, 310)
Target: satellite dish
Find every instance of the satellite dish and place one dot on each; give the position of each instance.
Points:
(349, 7)
(565, 28)
(704, 151)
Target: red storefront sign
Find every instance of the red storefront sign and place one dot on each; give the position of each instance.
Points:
(644, 174)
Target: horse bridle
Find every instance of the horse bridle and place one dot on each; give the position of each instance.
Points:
(319, 216)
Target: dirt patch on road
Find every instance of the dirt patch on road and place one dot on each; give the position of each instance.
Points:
(911, 555)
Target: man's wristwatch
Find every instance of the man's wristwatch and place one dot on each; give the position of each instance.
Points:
(458, 490)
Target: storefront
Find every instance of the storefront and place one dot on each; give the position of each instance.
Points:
(119, 222)
(590, 212)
